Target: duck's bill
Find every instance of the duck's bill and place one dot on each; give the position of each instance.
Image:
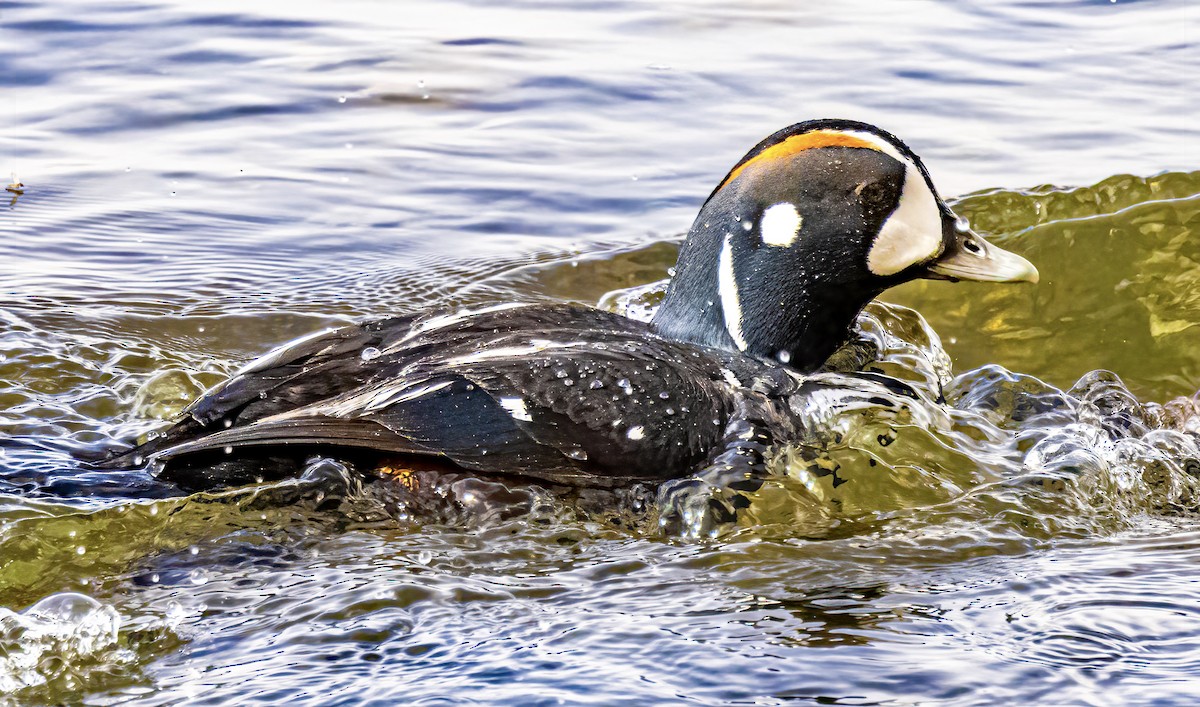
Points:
(970, 257)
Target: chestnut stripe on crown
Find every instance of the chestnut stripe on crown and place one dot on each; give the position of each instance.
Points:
(799, 143)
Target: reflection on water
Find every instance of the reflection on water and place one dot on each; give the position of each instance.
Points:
(203, 183)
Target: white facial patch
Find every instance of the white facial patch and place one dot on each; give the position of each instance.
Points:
(780, 225)
(913, 233)
(731, 306)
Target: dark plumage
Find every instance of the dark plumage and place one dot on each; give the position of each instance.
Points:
(813, 223)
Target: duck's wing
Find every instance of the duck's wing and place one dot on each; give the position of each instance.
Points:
(301, 372)
(560, 393)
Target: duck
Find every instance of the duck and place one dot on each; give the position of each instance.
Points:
(807, 228)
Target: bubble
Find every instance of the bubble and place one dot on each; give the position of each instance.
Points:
(370, 353)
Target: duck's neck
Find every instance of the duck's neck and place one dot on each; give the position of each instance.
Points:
(730, 291)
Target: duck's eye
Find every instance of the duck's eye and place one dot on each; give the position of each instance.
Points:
(873, 196)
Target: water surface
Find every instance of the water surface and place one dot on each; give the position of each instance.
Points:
(203, 182)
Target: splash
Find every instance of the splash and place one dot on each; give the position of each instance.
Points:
(54, 638)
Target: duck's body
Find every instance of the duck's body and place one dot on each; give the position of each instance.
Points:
(560, 393)
(813, 223)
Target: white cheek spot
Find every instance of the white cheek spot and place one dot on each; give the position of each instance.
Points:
(913, 233)
(780, 225)
(727, 287)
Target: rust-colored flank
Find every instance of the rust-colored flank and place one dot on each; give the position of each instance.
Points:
(799, 143)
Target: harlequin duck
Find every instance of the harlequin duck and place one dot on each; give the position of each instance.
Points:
(807, 228)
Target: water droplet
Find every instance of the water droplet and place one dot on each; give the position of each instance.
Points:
(670, 411)
(623, 383)
(577, 454)
(228, 449)
(80, 550)
(424, 557)
(198, 576)
(784, 356)
(228, 423)
(199, 328)
(747, 225)
(194, 550)
(560, 373)
(596, 385)
(341, 99)
(636, 432)
(962, 224)
(370, 353)
(154, 578)
(568, 381)
(664, 395)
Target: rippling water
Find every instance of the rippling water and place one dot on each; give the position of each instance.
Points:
(204, 181)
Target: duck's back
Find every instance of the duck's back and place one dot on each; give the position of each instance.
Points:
(559, 392)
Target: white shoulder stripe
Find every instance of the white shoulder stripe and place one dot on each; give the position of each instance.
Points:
(443, 321)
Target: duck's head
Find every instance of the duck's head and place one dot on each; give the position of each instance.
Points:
(804, 231)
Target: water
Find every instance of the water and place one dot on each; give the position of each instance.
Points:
(203, 182)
